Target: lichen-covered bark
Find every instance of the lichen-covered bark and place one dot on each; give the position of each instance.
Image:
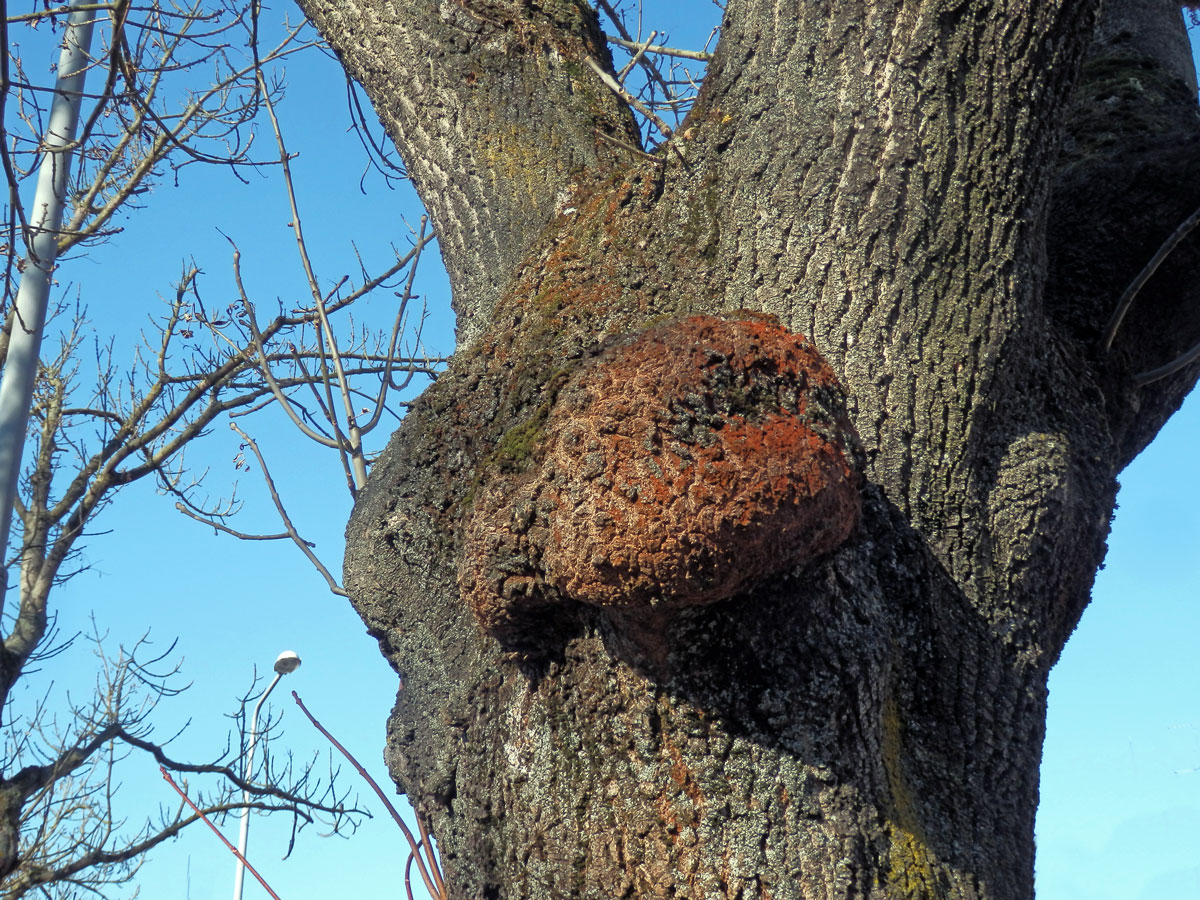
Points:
(945, 200)
(677, 468)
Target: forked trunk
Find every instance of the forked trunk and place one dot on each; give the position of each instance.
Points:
(687, 605)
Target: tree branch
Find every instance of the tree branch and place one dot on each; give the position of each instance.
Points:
(224, 840)
(305, 546)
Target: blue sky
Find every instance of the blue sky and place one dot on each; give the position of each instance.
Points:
(1120, 815)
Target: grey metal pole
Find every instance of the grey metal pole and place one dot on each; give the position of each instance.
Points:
(287, 662)
(45, 221)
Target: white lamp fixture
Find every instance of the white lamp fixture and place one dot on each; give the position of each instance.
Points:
(287, 662)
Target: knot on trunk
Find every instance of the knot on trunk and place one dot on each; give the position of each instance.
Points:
(678, 467)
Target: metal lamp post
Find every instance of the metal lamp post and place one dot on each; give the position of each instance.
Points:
(288, 661)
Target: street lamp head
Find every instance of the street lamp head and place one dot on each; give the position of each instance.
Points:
(287, 661)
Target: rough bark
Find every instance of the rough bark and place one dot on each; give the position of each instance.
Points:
(946, 200)
(494, 111)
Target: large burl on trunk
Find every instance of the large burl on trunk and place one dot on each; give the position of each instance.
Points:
(729, 557)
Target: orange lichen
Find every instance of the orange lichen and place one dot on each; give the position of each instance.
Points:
(678, 467)
(689, 465)
(682, 776)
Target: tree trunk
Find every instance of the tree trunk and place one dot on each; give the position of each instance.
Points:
(687, 605)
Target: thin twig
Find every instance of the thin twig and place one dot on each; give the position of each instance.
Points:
(305, 546)
(629, 148)
(397, 328)
(650, 67)
(240, 535)
(349, 442)
(408, 875)
(62, 10)
(636, 58)
(264, 365)
(697, 55)
(633, 101)
(437, 890)
(224, 840)
(427, 844)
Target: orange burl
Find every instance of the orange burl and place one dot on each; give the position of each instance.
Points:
(678, 467)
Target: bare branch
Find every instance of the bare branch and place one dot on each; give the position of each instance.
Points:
(438, 889)
(240, 535)
(305, 546)
(70, 830)
(628, 97)
(636, 151)
(398, 327)
(350, 444)
(233, 849)
(647, 47)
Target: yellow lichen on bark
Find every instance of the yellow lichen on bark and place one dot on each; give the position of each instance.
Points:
(912, 872)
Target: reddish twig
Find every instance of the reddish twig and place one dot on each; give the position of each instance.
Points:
(435, 884)
(224, 840)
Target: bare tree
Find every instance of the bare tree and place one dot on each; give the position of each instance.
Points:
(172, 85)
(76, 832)
(691, 606)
